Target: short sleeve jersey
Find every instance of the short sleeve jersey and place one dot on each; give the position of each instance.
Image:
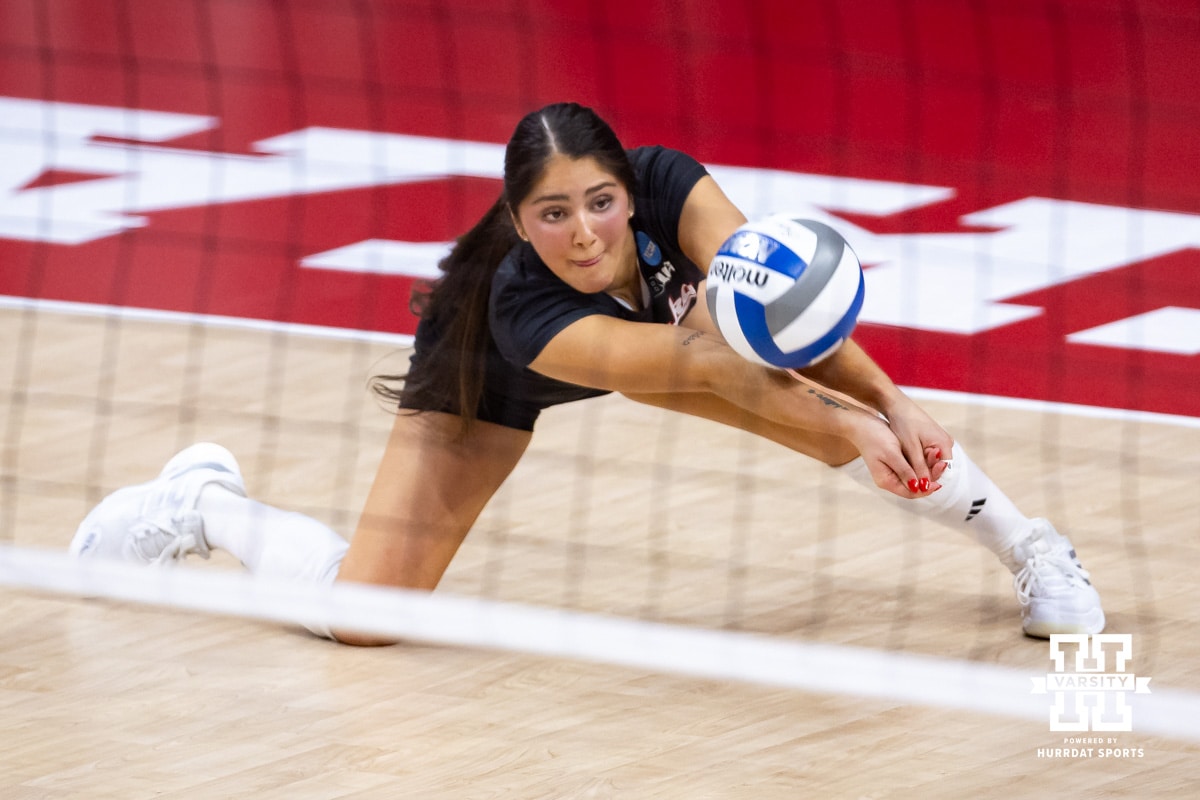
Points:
(530, 305)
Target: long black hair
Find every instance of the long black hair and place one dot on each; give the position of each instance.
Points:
(450, 375)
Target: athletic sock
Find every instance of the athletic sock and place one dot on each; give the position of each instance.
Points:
(269, 541)
(968, 502)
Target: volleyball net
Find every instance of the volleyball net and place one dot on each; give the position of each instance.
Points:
(215, 214)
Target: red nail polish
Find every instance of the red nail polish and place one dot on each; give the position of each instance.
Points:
(924, 484)
(938, 454)
(914, 486)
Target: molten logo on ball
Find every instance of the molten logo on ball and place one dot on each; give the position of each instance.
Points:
(733, 272)
(785, 292)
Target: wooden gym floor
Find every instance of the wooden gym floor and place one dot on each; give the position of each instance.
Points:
(618, 509)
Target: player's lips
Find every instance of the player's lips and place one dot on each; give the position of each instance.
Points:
(591, 262)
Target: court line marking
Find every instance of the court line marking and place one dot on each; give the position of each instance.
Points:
(447, 619)
(208, 320)
(405, 340)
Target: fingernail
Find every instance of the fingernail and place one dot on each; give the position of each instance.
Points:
(924, 484)
(914, 486)
(938, 454)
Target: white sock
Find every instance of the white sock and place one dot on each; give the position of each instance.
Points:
(968, 502)
(271, 542)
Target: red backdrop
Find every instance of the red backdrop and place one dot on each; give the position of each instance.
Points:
(998, 100)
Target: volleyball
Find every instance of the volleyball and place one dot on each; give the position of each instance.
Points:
(785, 292)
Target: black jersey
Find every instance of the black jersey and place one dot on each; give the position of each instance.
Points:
(530, 305)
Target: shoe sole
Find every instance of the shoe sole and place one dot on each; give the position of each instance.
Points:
(1092, 622)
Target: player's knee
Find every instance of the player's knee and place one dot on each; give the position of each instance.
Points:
(355, 639)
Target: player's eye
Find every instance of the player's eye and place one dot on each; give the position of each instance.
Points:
(603, 202)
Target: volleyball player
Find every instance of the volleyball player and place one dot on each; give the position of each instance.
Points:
(583, 278)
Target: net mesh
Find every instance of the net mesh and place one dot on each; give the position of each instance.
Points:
(214, 213)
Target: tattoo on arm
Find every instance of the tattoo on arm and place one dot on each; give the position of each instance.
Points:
(827, 400)
(693, 337)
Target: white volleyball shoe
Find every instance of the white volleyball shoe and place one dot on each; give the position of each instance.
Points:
(157, 522)
(1054, 590)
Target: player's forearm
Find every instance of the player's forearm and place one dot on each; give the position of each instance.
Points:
(852, 372)
(775, 395)
(642, 358)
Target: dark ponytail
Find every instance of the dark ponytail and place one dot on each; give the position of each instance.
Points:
(449, 374)
(457, 307)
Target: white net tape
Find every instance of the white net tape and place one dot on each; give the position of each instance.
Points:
(461, 621)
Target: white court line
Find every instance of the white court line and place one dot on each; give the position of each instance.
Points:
(1047, 406)
(208, 320)
(440, 618)
(405, 340)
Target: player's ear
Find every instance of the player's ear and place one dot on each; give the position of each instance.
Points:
(517, 224)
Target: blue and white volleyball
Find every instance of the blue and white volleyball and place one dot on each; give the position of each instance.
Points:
(785, 292)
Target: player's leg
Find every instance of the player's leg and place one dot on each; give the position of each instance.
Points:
(1052, 587)
(198, 503)
(431, 484)
(430, 488)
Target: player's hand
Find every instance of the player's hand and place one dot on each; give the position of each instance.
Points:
(925, 444)
(886, 460)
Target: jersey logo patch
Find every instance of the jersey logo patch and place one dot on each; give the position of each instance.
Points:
(680, 306)
(650, 252)
(659, 280)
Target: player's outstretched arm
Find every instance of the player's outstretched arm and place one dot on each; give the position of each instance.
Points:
(708, 218)
(652, 359)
